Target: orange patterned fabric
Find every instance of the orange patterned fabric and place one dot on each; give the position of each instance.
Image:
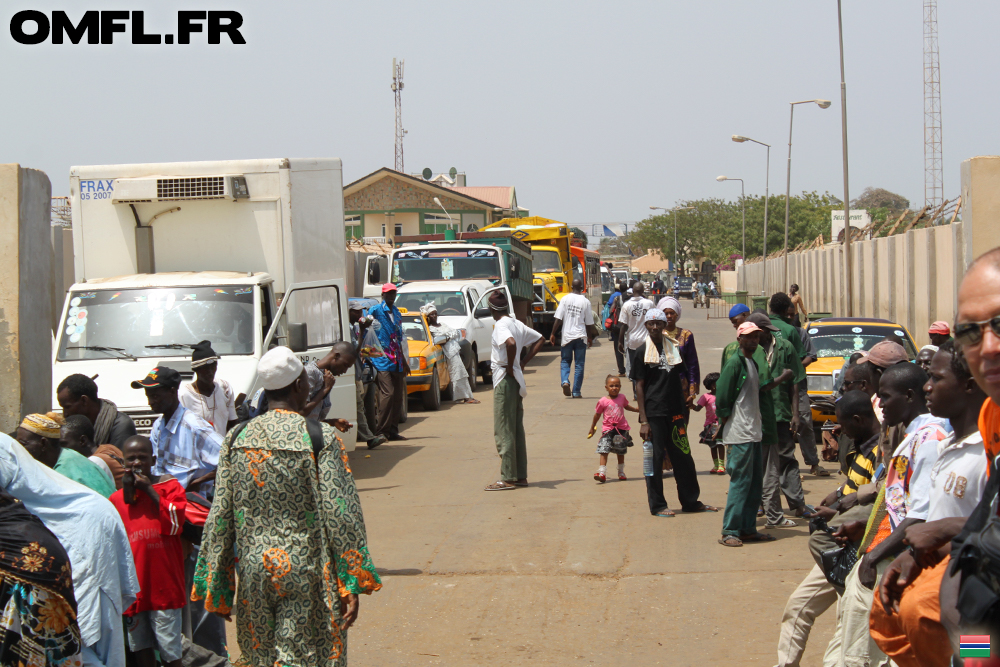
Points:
(914, 637)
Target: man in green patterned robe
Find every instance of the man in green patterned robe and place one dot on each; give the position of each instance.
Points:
(294, 520)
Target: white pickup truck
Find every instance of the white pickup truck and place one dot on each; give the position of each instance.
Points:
(457, 302)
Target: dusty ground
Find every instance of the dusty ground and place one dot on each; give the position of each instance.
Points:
(566, 571)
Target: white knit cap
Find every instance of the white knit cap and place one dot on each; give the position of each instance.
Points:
(278, 368)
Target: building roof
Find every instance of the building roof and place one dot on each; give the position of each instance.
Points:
(434, 189)
(498, 195)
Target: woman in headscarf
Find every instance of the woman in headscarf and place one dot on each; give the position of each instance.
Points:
(684, 340)
(89, 528)
(37, 607)
(39, 434)
(462, 391)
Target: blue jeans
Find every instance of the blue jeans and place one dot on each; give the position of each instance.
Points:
(578, 349)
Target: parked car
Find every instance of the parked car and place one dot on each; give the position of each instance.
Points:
(835, 340)
(684, 287)
(456, 305)
(429, 375)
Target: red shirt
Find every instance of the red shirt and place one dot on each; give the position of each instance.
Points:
(154, 533)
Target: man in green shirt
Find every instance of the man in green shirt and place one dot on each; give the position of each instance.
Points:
(781, 469)
(780, 304)
(742, 391)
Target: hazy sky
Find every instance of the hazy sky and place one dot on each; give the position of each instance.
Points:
(593, 110)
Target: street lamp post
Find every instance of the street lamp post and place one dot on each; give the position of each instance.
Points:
(767, 179)
(822, 104)
(743, 204)
(848, 273)
(673, 210)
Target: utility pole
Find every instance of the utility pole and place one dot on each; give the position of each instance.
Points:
(933, 171)
(397, 89)
(848, 264)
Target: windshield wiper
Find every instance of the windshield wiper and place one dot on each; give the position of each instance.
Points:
(101, 348)
(171, 346)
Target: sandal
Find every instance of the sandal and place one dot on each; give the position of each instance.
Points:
(667, 514)
(758, 537)
(785, 523)
(499, 486)
(730, 541)
(703, 508)
(471, 401)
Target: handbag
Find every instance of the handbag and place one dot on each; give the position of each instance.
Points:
(838, 563)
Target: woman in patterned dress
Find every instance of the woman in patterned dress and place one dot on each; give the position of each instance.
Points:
(295, 520)
(37, 607)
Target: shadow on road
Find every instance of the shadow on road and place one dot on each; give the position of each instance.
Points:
(551, 484)
(382, 460)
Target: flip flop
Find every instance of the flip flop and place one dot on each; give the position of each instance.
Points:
(703, 508)
(730, 541)
(757, 537)
(667, 514)
(499, 486)
(471, 401)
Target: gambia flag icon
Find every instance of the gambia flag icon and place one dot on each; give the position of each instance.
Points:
(974, 646)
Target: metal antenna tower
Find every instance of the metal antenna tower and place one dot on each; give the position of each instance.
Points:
(933, 170)
(397, 89)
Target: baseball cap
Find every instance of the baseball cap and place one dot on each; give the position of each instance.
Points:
(762, 321)
(161, 376)
(746, 327)
(940, 327)
(885, 354)
(738, 309)
(388, 287)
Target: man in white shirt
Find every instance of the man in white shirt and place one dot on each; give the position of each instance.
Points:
(208, 397)
(633, 316)
(509, 338)
(906, 615)
(576, 319)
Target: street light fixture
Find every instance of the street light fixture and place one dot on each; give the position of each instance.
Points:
(450, 219)
(822, 104)
(767, 178)
(743, 203)
(671, 210)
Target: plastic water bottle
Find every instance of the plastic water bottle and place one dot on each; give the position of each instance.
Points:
(647, 458)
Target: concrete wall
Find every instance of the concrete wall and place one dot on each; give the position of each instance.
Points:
(910, 278)
(26, 300)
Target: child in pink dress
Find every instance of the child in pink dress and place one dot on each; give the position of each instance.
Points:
(709, 434)
(615, 438)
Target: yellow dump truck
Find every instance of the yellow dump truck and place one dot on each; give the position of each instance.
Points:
(555, 261)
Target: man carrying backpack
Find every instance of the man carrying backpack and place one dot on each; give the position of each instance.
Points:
(613, 327)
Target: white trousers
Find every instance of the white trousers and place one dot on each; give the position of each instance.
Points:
(852, 644)
(812, 598)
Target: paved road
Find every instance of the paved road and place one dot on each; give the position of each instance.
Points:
(566, 571)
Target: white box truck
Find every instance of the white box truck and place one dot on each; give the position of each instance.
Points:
(244, 253)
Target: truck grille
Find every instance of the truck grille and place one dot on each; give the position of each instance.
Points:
(203, 187)
(143, 420)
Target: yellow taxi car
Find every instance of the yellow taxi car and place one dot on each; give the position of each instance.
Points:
(429, 375)
(835, 339)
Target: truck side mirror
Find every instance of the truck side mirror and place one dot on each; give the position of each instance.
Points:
(298, 337)
(374, 273)
(482, 312)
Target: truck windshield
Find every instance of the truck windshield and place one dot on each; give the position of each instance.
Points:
(447, 303)
(545, 261)
(144, 322)
(459, 264)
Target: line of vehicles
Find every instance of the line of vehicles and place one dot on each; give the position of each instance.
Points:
(251, 253)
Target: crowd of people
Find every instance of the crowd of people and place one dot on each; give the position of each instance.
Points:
(85, 581)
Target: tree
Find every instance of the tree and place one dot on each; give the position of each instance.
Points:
(881, 203)
(714, 228)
